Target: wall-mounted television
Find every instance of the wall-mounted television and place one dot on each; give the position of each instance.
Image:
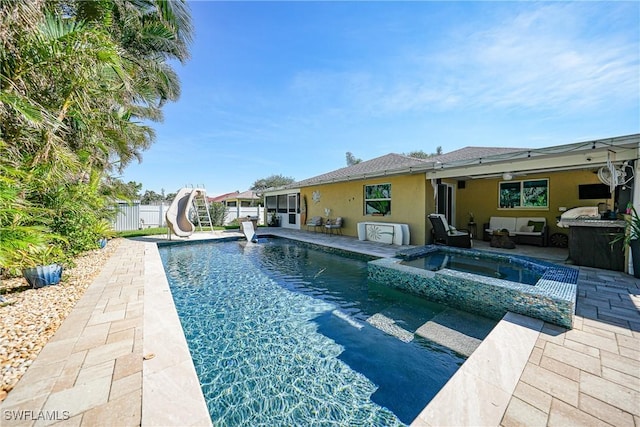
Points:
(593, 191)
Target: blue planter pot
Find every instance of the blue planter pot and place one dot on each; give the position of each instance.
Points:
(43, 275)
(102, 242)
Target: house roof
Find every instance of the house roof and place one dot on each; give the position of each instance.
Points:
(468, 153)
(249, 194)
(246, 195)
(393, 164)
(474, 162)
(387, 164)
(222, 196)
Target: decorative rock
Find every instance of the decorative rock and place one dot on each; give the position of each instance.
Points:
(32, 316)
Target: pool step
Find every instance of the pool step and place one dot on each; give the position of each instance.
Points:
(388, 325)
(460, 331)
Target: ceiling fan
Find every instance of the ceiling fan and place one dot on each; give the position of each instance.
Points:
(614, 176)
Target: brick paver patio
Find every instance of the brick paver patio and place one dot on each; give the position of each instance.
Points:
(589, 375)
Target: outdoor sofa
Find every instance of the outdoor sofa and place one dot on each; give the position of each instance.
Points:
(523, 230)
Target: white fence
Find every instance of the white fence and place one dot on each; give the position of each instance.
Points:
(137, 216)
(127, 217)
(153, 216)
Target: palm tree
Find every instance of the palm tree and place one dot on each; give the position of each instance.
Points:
(78, 80)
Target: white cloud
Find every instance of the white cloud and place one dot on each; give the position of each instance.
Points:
(553, 57)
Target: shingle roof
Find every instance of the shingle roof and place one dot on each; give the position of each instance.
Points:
(391, 164)
(469, 153)
(221, 197)
(249, 194)
(388, 164)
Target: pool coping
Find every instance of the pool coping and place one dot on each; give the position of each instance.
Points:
(479, 392)
(171, 390)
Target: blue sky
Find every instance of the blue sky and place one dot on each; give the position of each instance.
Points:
(289, 87)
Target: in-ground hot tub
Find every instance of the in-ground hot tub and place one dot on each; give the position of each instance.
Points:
(550, 298)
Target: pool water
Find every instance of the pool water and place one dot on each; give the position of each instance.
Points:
(505, 269)
(284, 334)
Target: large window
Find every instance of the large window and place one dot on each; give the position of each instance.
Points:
(281, 203)
(377, 199)
(524, 194)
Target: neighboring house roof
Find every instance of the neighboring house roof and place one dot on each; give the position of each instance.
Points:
(222, 196)
(249, 194)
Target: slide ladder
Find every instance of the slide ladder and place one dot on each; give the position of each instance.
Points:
(201, 208)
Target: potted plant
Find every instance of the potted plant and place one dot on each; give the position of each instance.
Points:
(631, 239)
(44, 266)
(274, 221)
(103, 229)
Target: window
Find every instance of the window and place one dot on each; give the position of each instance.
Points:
(232, 204)
(524, 194)
(282, 203)
(377, 199)
(272, 203)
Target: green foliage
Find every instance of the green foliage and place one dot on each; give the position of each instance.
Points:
(23, 226)
(632, 231)
(78, 80)
(351, 159)
(144, 232)
(149, 197)
(51, 254)
(271, 182)
(420, 154)
(218, 212)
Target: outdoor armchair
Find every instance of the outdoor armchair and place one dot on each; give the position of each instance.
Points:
(445, 234)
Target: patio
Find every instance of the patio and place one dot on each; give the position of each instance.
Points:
(120, 358)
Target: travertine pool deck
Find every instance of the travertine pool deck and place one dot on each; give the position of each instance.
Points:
(121, 359)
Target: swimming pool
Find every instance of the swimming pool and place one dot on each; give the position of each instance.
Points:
(288, 334)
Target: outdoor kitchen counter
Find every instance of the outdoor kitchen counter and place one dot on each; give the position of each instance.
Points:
(591, 243)
(592, 223)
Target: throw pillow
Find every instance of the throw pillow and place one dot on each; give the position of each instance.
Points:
(537, 225)
(527, 228)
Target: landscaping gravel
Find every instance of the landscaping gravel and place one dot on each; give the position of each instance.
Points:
(29, 317)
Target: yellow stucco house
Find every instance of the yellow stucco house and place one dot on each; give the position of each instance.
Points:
(471, 183)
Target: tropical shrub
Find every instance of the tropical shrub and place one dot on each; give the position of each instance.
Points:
(79, 80)
(218, 213)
